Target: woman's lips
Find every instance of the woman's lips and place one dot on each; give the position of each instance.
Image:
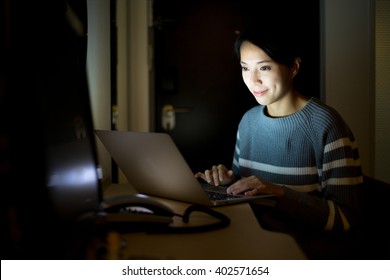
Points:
(260, 93)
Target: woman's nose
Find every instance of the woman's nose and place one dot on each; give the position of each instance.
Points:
(255, 78)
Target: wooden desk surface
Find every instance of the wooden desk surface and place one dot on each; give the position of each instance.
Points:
(242, 239)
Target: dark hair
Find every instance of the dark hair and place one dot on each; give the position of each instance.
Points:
(277, 44)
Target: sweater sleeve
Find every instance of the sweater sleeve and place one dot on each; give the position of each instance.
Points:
(334, 207)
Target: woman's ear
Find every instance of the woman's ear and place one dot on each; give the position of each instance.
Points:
(296, 66)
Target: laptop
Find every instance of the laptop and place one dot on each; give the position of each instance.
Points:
(154, 166)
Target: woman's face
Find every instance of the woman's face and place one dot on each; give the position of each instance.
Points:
(268, 81)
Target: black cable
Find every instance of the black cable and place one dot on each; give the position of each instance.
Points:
(150, 226)
(221, 222)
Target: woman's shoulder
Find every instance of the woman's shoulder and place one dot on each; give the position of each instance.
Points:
(324, 117)
(252, 117)
(320, 110)
(254, 111)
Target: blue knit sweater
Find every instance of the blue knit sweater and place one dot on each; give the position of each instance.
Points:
(313, 153)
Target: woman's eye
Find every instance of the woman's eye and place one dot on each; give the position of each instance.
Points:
(243, 68)
(265, 68)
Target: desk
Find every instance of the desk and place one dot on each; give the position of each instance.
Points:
(242, 239)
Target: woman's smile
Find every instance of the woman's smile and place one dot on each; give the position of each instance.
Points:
(259, 93)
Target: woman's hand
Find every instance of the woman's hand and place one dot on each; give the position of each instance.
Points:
(253, 185)
(217, 175)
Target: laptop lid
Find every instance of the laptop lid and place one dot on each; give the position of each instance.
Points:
(153, 165)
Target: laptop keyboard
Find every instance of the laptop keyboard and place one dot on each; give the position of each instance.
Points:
(220, 196)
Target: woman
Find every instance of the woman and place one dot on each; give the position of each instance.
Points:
(298, 149)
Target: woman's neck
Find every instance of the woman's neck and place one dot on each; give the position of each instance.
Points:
(289, 105)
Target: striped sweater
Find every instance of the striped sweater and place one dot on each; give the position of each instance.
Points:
(313, 154)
